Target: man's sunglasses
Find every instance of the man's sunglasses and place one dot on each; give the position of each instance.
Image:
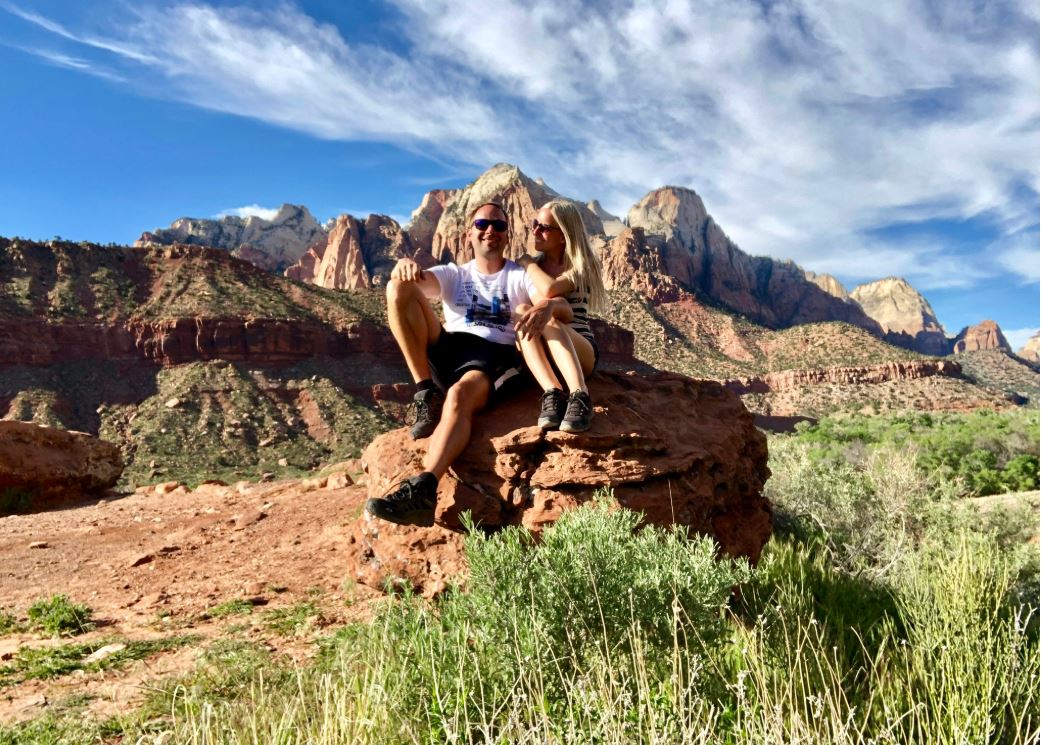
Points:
(497, 225)
(537, 226)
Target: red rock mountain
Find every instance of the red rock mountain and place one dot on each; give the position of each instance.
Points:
(1031, 351)
(904, 315)
(984, 336)
(357, 254)
(696, 252)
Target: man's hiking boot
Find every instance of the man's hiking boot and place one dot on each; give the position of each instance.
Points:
(553, 403)
(426, 405)
(579, 413)
(412, 503)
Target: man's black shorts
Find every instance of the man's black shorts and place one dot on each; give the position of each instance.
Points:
(454, 353)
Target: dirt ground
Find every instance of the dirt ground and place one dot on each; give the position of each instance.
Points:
(150, 564)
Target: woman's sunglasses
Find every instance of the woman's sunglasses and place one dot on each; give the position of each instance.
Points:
(537, 226)
(497, 225)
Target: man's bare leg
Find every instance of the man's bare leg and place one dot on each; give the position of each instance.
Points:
(413, 324)
(463, 400)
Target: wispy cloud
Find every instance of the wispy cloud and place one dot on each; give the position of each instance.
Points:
(803, 124)
(1019, 256)
(250, 210)
(1018, 337)
(73, 63)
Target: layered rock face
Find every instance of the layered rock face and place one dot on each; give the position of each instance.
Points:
(44, 466)
(904, 315)
(357, 254)
(679, 450)
(270, 244)
(519, 195)
(425, 217)
(828, 283)
(868, 374)
(697, 253)
(1031, 351)
(985, 335)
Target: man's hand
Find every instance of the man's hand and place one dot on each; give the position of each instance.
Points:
(531, 322)
(406, 270)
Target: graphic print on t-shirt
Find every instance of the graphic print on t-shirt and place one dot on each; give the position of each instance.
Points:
(486, 303)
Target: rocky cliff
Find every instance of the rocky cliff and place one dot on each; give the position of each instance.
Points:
(270, 244)
(981, 337)
(356, 254)
(904, 315)
(844, 376)
(697, 253)
(1031, 351)
(503, 183)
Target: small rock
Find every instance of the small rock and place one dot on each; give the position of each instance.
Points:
(339, 481)
(38, 544)
(267, 476)
(108, 649)
(172, 403)
(283, 462)
(245, 519)
(141, 559)
(265, 442)
(166, 487)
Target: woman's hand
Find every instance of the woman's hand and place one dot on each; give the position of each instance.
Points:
(532, 320)
(406, 270)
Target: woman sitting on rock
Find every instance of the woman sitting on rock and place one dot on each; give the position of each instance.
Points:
(564, 266)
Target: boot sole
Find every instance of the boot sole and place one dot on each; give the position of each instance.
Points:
(421, 518)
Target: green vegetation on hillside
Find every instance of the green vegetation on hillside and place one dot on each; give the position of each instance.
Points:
(979, 453)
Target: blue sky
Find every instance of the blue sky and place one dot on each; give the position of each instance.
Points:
(862, 139)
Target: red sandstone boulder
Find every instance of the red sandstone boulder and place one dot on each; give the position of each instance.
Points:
(44, 465)
(983, 336)
(678, 450)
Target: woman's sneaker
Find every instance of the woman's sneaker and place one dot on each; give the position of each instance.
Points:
(412, 503)
(426, 405)
(553, 403)
(579, 413)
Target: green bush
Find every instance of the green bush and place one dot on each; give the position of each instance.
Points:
(60, 616)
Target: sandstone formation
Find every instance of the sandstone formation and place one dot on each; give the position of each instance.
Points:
(697, 253)
(873, 374)
(613, 224)
(1031, 351)
(904, 315)
(630, 264)
(357, 254)
(270, 244)
(44, 465)
(829, 284)
(521, 197)
(423, 225)
(679, 450)
(981, 337)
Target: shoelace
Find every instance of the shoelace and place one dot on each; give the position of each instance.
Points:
(550, 401)
(578, 406)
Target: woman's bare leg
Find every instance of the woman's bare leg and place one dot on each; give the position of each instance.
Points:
(562, 349)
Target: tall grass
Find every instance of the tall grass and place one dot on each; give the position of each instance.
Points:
(884, 611)
(599, 634)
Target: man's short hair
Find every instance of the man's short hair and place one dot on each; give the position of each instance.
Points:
(496, 205)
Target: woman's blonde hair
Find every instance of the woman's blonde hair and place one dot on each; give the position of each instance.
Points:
(581, 264)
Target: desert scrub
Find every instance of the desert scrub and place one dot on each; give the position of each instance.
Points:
(59, 616)
(986, 452)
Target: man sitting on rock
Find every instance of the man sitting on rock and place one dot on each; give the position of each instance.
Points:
(469, 358)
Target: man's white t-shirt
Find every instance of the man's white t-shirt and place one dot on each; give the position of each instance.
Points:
(481, 304)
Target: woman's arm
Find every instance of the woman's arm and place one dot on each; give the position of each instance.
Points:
(547, 286)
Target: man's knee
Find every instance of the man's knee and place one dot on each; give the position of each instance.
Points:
(399, 292)
(469, 393)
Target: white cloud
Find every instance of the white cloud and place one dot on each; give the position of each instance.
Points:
(1021, 256)
(803, 124)
(1018, 337)
(250, 210)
